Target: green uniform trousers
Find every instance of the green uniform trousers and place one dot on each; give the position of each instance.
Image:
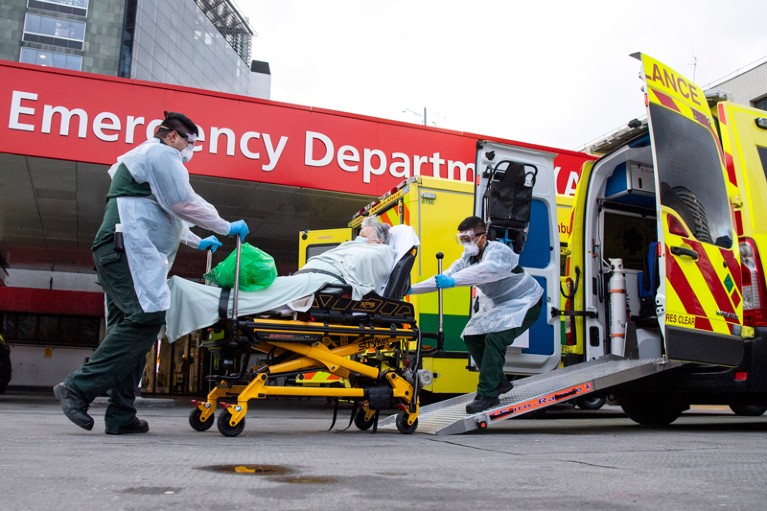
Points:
(118, 363)
(489, 352)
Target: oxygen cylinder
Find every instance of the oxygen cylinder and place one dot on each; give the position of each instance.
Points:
(617, 286)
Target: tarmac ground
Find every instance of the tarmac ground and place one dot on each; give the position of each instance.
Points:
(287, 459)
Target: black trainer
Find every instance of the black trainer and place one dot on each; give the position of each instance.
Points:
(482, 403)
(74, 405)
(135, 426)
(504, 387)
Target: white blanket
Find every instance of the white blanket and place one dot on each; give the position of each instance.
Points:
(195, 306)
(365, 267)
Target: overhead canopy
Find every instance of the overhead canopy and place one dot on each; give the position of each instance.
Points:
(50, 211)
(283, 168)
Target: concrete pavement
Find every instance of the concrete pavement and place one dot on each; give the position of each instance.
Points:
(287, 459)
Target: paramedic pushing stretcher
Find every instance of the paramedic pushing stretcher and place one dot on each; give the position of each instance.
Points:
(150, 207)
(509, 303)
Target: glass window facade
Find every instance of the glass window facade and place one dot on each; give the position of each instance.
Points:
(51, 58)
(202, 58)
(50, 330)
(76, 7)
(55, 31)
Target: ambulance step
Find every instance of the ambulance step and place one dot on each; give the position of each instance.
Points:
(449, 417)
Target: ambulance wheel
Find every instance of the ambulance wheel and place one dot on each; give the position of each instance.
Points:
(227, 429)
(590, 402)
(651, 412)
(197, 424)
(361, 423)
(402, 424)
(748, 410)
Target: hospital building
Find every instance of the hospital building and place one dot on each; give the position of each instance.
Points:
(83, 81)
(51, 309)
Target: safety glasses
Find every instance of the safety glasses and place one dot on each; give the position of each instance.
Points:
(191, 138)
(466, 237)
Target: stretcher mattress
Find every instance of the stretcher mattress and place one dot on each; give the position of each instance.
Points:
(195, 306)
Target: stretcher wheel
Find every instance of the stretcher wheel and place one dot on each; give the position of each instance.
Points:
(227, 429)
(197, 424)
(402, 424)
(360, 422)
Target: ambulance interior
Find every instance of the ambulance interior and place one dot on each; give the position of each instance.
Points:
(623, 195)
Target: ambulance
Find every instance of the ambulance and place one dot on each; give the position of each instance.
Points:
(667, 253)
(664, 299)
(434, 207)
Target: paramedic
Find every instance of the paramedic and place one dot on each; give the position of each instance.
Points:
(509, 302)
(149, 208)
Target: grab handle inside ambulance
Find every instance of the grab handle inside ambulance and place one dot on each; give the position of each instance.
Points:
(684, 251)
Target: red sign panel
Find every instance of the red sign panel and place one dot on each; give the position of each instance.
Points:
(66, 115)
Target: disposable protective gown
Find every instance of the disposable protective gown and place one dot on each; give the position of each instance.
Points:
(504, 297)
(154, 225)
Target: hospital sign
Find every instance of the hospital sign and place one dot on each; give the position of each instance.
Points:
(59, 114)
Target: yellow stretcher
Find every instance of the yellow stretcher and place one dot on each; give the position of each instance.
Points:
(366, 342)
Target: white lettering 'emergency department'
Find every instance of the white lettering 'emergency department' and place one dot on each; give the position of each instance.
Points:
(376, 163)
(27, 114)
(108, 127)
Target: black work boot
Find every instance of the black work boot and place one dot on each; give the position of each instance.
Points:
(74, 405)
(135, 426)
(482, 403)
(504, 387)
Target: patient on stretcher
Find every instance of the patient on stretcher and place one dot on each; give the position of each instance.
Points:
(363, 264)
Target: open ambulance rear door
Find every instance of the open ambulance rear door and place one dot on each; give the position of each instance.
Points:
(516, 195)
(699, 299)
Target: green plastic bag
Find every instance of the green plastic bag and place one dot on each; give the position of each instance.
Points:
(257, 269)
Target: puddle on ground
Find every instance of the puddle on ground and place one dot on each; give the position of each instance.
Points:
(252, 470)
(269, 470)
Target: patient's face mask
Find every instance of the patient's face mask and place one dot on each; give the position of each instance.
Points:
(360, 239)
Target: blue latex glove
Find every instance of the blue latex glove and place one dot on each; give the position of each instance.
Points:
(239, 228)
(409, 290)
(444, 281)
(210, 243)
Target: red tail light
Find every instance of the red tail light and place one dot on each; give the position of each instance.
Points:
(754, 291)
(676, 227)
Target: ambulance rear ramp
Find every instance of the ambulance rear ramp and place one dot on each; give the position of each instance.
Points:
(449, 417)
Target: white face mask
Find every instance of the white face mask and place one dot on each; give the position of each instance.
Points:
(471, 249)
(186, 154)
(360, 239)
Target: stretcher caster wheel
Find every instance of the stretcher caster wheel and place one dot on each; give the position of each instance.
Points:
(227, 429)
(197, 424)
(402, 424)
(361, 423)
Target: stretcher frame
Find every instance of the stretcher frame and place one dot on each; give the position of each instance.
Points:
(337, 335)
